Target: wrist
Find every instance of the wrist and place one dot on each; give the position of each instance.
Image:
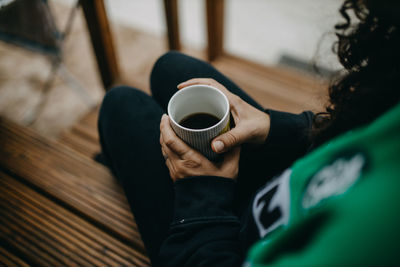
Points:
(263, 124)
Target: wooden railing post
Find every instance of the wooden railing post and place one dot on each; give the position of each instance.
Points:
(102, 42)
(171, 16)
(215, 28)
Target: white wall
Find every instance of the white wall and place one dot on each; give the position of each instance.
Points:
(260, 30)
(263, 30)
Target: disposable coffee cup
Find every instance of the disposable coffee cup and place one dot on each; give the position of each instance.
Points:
(196, 101)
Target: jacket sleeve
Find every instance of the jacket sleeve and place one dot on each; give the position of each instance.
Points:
(287, 141)
(204, 231)
(289, 131)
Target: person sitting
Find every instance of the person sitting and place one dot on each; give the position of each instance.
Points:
(293, 189)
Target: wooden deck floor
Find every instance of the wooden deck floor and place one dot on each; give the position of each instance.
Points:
(59, 207)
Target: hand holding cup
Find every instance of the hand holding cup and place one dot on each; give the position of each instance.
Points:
(199, 113)
(251, 124)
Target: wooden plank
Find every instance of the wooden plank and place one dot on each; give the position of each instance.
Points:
(102, 41)
(83, 137)
(215, 28)
(86, 132)
(9, 259)
(273, 87)
(90, 120)
(172, 20)
(48, 234)
(281, 75)
(72, 180)
(82, 145)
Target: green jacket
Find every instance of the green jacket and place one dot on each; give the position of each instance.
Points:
(343, 203)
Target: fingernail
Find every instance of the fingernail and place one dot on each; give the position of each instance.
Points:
(181, 84)
(218, 146)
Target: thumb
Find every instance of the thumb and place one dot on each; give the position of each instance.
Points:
(228, 140)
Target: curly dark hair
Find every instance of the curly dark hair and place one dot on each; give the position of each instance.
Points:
(369, 51)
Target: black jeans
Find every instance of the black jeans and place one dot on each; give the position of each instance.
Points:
(129, 134)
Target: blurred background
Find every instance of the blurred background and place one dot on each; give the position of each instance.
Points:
(260, 30)
(291, 34)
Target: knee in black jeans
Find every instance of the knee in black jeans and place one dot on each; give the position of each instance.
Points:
(169, 70)
(174, 68)
(112, 109)
(120, 100)
(124, 115)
